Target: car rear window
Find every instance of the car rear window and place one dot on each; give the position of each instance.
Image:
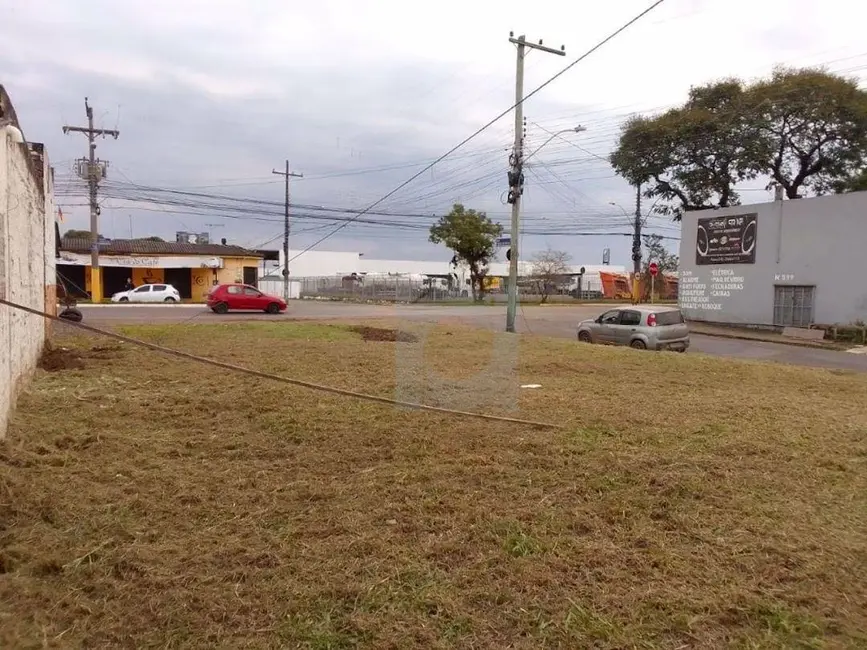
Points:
(673, 317)
(159, 287)
(629, 317)
(234, 290)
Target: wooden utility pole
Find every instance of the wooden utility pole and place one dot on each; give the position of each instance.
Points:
(286, 174)
(94, 170)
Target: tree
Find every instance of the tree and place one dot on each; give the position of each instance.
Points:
(855, 183)
(550, 268)
(814, 124)
(77, 234)
(471, 236)
(151, 238)
(691, 157)
(804, 129)
(666, 261)
(657, 252)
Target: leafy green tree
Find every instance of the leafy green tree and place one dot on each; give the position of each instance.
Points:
(471, 236)
(151, 238)
(693, 156)
(855, 183)
(804, 129)
(657, 252)
(77, 234)
(814, 124)
(665, 260)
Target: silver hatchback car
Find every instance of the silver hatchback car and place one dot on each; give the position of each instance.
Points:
(644, 327)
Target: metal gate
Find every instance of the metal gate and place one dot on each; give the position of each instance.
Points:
(793, 305)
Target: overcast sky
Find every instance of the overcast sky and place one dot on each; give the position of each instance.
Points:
(210, 95)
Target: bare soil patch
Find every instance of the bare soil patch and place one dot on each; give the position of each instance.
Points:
(688, 502)
(56, 358)
(369, 333)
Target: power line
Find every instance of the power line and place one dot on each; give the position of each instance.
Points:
(490, 123)
(286, 380)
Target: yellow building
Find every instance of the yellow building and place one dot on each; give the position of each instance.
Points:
(191, 268)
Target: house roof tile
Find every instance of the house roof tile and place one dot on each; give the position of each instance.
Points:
(146, 247)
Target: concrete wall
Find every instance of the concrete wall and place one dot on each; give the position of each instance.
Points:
(26, 256)
(816, 242)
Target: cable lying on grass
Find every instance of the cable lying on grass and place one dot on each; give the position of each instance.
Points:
(286, 380)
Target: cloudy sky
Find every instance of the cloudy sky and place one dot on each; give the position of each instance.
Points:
(210, 95)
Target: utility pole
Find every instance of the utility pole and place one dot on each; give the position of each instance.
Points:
(286, 174)
(94, 170)
(636, 248)
(516, 170)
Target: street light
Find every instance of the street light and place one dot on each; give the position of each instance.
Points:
(575, 129)
(516, 183)
(617, 205)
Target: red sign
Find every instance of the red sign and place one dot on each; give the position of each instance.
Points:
(653, 268)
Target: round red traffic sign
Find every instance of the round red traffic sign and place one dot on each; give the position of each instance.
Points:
(653, 268)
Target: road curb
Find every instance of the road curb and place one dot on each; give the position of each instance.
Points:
(160, 305)
(794, 344)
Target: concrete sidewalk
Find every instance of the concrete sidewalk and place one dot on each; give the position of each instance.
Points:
(748, 334)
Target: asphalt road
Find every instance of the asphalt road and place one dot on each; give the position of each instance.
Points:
(549, 321)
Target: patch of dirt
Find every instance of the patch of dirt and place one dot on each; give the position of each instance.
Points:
(104, 352)
(383, 334)
(56, 359)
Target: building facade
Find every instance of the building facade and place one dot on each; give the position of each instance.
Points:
(27, 246)
(789, 263)
(308, 266)
(191, 268)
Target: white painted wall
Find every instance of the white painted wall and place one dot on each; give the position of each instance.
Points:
(273, 286)
(26, 265)
(813, 242)
(316, 263)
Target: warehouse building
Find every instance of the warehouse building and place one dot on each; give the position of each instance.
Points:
(787, 263)
(192, 268)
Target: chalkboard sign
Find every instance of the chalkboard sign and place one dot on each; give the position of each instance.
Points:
(726, 240)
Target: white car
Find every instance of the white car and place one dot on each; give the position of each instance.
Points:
(148, 293)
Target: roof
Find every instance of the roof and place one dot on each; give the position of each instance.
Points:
(146, 247)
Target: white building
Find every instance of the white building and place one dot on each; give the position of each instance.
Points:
(327, 264)
(786, 263)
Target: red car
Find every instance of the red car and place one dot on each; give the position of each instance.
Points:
(244, 297)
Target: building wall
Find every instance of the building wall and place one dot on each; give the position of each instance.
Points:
(201, 279)
(314, 263)
(816, 242)
(26, 261)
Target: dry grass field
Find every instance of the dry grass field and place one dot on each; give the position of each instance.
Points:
(685, 502)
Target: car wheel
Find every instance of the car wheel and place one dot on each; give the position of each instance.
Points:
(273, 308)
(584, 337)
(638, 344)
(124, 299)
(221, 308)
(169, 299)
